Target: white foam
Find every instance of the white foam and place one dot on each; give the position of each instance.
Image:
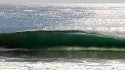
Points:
(83, 64)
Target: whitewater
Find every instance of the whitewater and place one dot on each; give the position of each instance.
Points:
(68, 37)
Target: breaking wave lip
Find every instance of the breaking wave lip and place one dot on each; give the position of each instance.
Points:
(46, 39)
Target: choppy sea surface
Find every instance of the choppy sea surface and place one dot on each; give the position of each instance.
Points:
(62, 37)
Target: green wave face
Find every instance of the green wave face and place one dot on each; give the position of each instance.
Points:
(45, 39)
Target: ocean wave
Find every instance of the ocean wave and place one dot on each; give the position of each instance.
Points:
(45, 39)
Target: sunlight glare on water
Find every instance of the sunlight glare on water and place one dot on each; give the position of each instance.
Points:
(106, 20)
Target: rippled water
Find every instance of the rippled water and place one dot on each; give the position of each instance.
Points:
(62, 59)
(94, 17)
(103, 24)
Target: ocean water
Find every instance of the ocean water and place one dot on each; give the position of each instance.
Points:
(83, 17)
(62, 37)
(62, 59)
